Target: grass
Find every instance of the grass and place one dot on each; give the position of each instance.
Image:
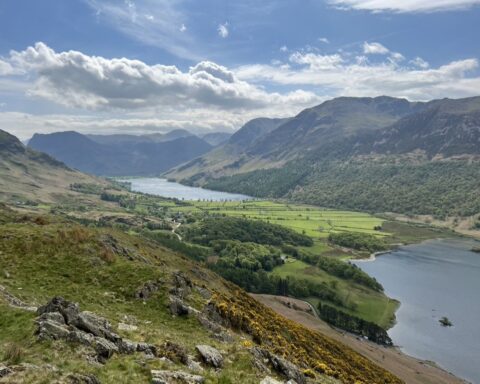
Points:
(363, 302)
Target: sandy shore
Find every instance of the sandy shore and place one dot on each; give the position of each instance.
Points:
(409, 369)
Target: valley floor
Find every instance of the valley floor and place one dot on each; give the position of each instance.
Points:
(407, 368)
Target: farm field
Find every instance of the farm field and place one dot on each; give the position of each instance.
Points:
(364, 302)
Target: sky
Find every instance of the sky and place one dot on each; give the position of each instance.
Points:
(143, 66)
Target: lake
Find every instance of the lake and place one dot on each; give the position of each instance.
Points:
(165, 188)
(434, 279)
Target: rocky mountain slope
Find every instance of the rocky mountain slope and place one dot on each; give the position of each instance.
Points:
(26, 174)
(93, 305)
(120, 155)
(380, 154)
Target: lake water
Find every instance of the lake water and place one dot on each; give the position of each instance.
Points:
(434, 279)
(165, 188)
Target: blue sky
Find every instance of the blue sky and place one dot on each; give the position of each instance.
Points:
(153, 65)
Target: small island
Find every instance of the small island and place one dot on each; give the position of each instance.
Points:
(445, 322)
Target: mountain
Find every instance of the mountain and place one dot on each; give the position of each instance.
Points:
(115, 139)
(377, 154)
(26, 174)
(231, 157)
(121, 155)
(216, 138)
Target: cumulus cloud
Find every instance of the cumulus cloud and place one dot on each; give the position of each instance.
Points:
(420, 63)
(374, 49)
(404, 5)
(336, 75)
(223, 31)
(183, 28)
(77, 80)
(324, 40)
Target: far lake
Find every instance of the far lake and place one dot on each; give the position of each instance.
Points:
(434, 279)
(165, 188)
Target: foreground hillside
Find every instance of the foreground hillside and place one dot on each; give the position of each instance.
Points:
(166, 313)
(377, 155)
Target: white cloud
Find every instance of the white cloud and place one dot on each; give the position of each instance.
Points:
(73, 79)
(183, 28)
(420, 63)
(222, 30)
(396, 56)
(283, 48)
(324, 40)
(404, 5)
(374, 49)
(336, 75)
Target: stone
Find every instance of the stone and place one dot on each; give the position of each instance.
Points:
(49, 330)
(126, 346)
(147, 289)
(279, 364)
(105, 349)
(127, 327)
(168, 377)
(96, 325)
(210, 355)
(69, 310)
(178, 307)
(55, 317)
(4, 371)
(148, 349)
(81, 337)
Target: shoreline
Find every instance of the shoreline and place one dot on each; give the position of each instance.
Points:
(408, 368)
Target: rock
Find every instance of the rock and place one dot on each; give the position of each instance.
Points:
(147, 349)
(104, 348)
(81, 337)
(270, 380)
(69, 310)
(210, 355)
(168, 377)
(49, 330)
(178, 307)
(83, 379)
(146, 290)
(182, 285)
(96, 325)
(174, 352)
(6, 274)
(55, 317)
(127, 327)
(279, 364)
(126, 346)
(205, 293)
(194, 365)
(4, 371)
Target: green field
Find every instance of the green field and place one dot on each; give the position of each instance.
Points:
(364, 302)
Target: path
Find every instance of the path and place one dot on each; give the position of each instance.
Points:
(175, 227)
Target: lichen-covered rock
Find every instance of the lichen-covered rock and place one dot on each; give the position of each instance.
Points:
(96, 325)
(49, 330)
(168, 377)
(127, 347)
(105, 349)
(210, 355)
(148, 349)
(69, 310)
(81, 337)
(178, 307)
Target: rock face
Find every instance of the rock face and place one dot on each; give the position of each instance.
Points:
(279, 365)
(270, 380)
(60, 319)
(167, 377)
(210, 355)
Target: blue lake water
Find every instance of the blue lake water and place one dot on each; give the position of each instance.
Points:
(434, 279)
(165, 188)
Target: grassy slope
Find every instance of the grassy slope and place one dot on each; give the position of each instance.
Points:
(66, 259)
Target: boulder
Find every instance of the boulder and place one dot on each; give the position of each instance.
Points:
(167, 377)
(210, 355)
(81, 337)
(49, 330)
(96, 325)
(148, 349)
(105, 349)
(279, 364)
(127, 347)
(147, 289)
(55, 317)
(178, 307)
(69, 310)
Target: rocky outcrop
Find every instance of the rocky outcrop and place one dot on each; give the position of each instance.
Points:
(14, 301)
(283, 367)
(210, 355)
(167, 377)
(148, 289)
(60, 319)
(270, 380)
